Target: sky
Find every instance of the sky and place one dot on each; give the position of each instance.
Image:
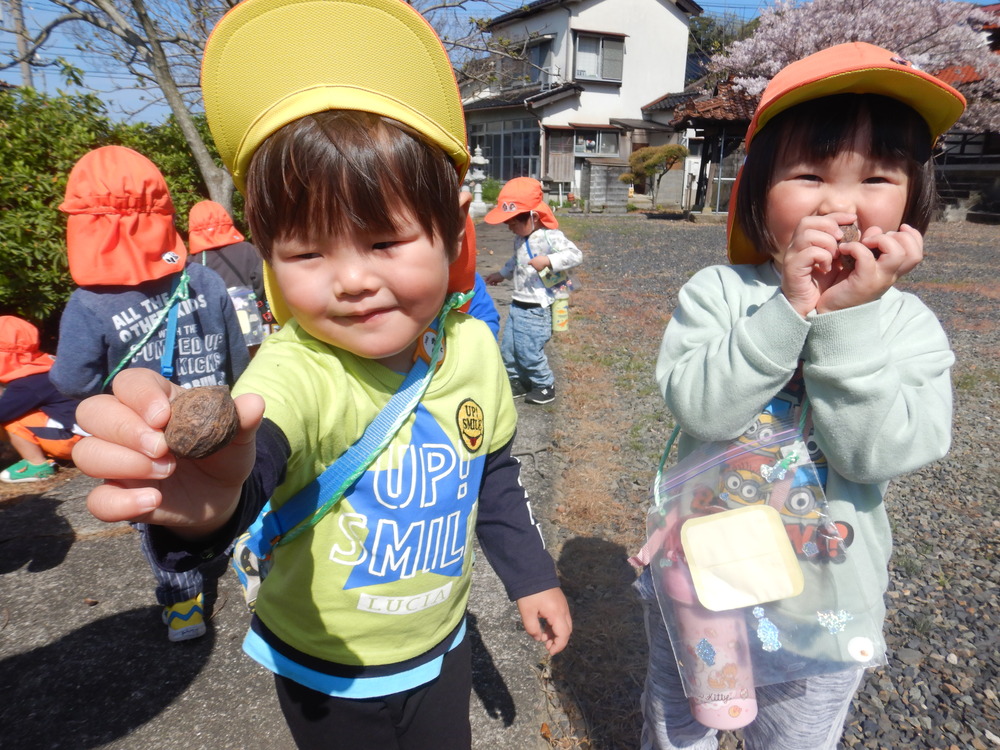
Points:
(48, 79)
(122, 104)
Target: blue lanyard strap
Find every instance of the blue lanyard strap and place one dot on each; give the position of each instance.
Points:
(304, 510)
(527, 247)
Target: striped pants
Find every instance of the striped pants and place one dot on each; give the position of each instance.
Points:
(171, 587)
(807, 713)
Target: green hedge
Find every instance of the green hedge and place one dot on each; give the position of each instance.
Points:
(43, 137)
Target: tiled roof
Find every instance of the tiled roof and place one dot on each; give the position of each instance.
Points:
(669, 102)
(728, 105)
(959, 74)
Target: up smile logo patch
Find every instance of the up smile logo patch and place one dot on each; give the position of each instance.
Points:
(470, 421)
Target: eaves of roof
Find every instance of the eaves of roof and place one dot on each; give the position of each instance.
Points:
(727, 106)
(690, 7)
(608, 160)
(505, 99)
(552, 95)
(525, 11)
(529, 9)
(632, 124)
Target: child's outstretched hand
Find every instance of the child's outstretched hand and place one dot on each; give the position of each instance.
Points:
(143, 480)
(546, 618)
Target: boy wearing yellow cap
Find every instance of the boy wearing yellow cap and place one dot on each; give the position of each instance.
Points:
(341, 122)
(829, 212)
(540, 252)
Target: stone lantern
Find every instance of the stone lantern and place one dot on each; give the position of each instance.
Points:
(476, 176)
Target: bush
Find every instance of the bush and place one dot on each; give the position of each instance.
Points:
(43, 138)
(491, 189)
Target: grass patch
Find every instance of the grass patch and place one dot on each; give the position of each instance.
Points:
(907, 565)
(972, 378)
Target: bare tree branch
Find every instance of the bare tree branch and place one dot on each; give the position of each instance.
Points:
(159, 44)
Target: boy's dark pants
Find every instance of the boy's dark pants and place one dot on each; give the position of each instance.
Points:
(434, 716)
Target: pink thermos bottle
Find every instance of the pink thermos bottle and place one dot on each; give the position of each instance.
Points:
(713, 653)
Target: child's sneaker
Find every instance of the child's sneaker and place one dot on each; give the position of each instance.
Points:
(24, 471)
(185, 620)
(517, 388)
(541, 395)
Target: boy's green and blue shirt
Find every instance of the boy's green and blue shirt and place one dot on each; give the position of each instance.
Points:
(384, 577)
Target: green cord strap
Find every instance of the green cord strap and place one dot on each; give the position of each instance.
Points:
(179, 292)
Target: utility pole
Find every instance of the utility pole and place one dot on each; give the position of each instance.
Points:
(17, 16)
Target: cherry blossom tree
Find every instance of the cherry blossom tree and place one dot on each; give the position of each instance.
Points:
(938, 36)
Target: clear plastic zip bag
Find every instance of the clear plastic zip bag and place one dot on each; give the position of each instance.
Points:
(753, 576)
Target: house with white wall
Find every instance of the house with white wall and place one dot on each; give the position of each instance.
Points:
(571, 100)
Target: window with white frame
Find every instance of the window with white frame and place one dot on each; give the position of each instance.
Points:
(599, 57)
(512, 147)
(596, 143)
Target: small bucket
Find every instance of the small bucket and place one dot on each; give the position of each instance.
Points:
(560, 315)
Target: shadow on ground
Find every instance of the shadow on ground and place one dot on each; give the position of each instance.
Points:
(487, 682)
(666, 215)
(32, 534)
(604, 681)
(97, 683)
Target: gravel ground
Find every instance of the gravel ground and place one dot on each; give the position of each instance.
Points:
(940, 688)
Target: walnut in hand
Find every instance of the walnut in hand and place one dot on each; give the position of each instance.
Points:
(202, 421)
(851, 234)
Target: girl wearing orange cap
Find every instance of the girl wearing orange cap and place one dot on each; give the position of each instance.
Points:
(131, 267)
(217, 242)
(38, 421)
(540, 250)
(237, 261)
(807, 322)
